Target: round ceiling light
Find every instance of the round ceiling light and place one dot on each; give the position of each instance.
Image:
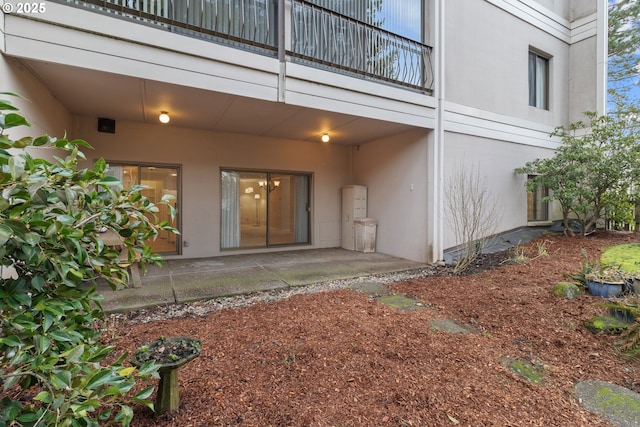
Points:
(164, 117)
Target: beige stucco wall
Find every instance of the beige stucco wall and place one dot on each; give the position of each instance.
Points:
(479, 36)
(582, 80)
(43, 111)
(394, 171)
(496, 161)
(201, 154)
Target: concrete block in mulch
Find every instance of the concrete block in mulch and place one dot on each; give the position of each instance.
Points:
(371, 288)
(450, 326)
(567, 290)
(618, 405)
(607, 325)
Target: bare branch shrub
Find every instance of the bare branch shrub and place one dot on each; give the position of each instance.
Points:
(472, 211)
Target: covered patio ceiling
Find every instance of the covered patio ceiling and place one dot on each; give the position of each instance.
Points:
(85, 92)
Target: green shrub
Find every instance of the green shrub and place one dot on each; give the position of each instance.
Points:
(51, 211)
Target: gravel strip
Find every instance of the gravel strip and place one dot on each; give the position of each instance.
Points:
(201, 308)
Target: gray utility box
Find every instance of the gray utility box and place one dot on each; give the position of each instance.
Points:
(365, 234)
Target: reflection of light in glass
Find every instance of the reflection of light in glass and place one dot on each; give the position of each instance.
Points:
(257, 197)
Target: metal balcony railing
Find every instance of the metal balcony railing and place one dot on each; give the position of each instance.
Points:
(246, 22)
(322, 36)
(319, 36)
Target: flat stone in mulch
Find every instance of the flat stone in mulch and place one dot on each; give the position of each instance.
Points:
(450, 326)
(618, 405)
(400, 302)
(531, 370)
(371, 288)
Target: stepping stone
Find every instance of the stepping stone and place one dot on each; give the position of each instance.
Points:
(400, 302)
(450, 326)
(618, 405)
(526, 368)
(371, 288)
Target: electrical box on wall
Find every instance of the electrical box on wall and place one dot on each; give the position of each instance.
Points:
(106, 125)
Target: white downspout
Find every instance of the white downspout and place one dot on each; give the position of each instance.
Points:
(438, 143)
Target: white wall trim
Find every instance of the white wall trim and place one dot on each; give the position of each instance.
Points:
(354, 84)
(2, 41)
(531, 12)
(485, 124)
(95, 23)
(584, 28)
(311, 87)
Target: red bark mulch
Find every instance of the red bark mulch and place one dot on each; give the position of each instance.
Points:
(341, 358)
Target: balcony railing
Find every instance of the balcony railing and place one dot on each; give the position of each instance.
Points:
(319, 36)
(325, 37)
(245, 22)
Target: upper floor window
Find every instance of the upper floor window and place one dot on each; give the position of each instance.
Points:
(538, 80)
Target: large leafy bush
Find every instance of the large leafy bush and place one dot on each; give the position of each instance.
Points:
(53, 369)
(593, 172)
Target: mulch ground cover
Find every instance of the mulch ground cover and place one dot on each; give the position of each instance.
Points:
(341, 358)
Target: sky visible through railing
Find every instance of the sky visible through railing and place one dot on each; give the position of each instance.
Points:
(630, 84)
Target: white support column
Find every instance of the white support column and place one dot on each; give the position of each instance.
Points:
(436, 148)
(283, 38)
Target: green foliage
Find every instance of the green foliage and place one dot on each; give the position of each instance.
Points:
(593, 170)
(587, 268)
(629, 341)
(51, 256)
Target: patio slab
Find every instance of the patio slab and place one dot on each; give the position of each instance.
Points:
(154, 292)
(184, 280)
(200, 285)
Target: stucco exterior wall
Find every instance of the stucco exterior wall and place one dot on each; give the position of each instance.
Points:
(580, 8)
(43, 111)
(496, 161)
(486, 60)
(582, 79)
(393, 169)
(201, 154)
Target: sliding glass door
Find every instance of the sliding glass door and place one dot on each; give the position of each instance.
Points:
(159, 180)
(262, 209)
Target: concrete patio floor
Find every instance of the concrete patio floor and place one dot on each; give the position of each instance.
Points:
(185, 280)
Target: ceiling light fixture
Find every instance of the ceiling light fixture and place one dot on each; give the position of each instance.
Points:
(164, 117)
(325, 137)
